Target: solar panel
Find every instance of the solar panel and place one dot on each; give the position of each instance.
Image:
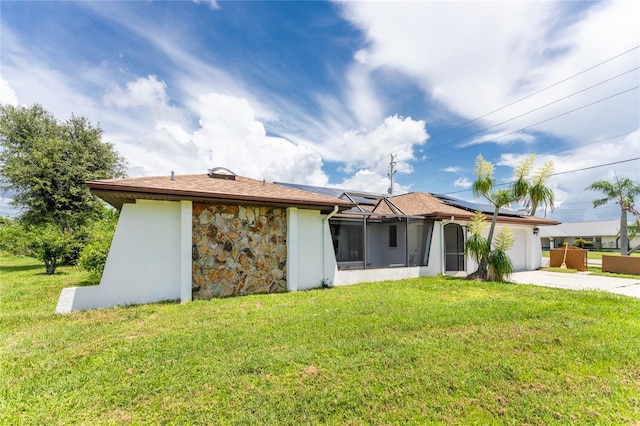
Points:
(474, 207)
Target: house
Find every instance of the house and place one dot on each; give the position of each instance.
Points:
(603, 234)
(218, 234)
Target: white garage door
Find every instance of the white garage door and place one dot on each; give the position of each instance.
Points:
(518, 251)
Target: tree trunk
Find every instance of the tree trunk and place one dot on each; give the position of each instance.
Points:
(482, 273)
(624, 237)
(50, 266)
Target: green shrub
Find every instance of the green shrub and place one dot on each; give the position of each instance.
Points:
(500, 265)
(49, 244)
(580, 242)
(13, 237)
(93, 256)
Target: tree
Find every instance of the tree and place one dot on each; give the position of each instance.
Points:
(623, 192)
(482, 187)
(49, 244)
(46, 162)
(535, 192)
(532, 192)
(500, 265)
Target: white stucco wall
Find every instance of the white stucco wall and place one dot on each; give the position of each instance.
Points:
(526, 253)
(145, 260)
(310, 257)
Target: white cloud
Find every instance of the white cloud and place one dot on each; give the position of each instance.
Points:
(369, 181)
(501, 138)
(462, 182)
(452, 169)
(475, 57)
(363, 148)
(213, 4)
(143, 92)
(7, 94)
(230, 136)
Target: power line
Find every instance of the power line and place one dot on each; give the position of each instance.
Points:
(541, 90)
(560, 173)
(558, 151)
(376, 172)
(539, 108)
(532, 125)
(595, 167)
(529, 95)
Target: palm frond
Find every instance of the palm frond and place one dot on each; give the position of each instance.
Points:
(503, 198)
(476, 245)
(504, 240)
(500, 265)
(543, 173)
(523, 168)
(483, 168)
(478, 223)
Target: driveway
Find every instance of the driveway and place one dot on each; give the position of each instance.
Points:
(579, 281)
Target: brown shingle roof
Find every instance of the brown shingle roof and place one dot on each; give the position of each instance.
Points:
(423, 204)
(205, 189)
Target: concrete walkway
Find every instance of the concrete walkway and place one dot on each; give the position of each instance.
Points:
(579, 281)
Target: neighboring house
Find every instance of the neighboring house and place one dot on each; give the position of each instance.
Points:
(201, 236)
(604, 234)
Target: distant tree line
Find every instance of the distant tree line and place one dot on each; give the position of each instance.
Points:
(45, 162)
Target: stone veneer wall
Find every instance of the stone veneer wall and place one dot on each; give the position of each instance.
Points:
(238, 250)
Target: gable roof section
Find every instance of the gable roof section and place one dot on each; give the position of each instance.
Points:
(421, 204)
(430, 206)
(202, 188)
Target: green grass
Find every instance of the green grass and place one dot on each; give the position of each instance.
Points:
(432, 350)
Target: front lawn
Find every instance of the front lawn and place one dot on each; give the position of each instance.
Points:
(429, 350)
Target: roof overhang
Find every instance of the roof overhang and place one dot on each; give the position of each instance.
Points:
(117, 195)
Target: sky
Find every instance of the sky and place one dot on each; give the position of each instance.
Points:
(324, 93)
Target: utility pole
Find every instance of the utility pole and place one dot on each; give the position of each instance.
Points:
(392, 173)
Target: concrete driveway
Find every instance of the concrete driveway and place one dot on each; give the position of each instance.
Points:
(579, 281)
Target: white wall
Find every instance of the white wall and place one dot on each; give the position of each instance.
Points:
(526, 253)
(144, 262)
(310, 257)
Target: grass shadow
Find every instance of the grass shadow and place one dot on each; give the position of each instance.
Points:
(21, 268)
(90, 282)
(57, 273)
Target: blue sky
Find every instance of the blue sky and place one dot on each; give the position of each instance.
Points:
(322, 93)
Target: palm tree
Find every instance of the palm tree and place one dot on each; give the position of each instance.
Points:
(533, 193)
(482, 187)
(539, 193)
(623, 193)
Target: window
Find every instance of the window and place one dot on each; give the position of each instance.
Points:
(393, 236)
(347, 241)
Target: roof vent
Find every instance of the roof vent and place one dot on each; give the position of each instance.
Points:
(221, 173)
